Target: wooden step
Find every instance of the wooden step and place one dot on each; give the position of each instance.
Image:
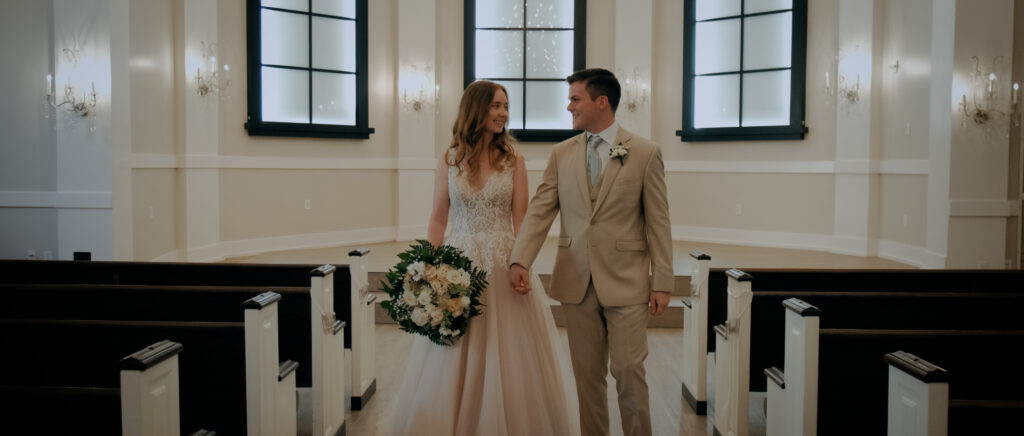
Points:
(672, 318)
(682, 287)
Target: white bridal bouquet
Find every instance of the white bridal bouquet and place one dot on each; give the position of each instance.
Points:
(434, 292)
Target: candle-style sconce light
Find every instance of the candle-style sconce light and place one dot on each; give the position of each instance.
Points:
(211, 80)
(417, 94)
(979, 103)
(1015, 105)
(83, 104)
(634, 91)
(849, 91)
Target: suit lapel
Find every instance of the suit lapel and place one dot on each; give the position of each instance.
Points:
(578, 163)
(612, 171)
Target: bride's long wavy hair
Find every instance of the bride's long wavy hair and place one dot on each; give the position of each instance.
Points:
(469, 130)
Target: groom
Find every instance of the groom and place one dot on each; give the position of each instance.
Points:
(609, 186)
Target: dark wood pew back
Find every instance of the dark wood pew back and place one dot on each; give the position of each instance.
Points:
(166, 303)
(771, 286)
(178, 274)
(294, 314)
(853, 379)
(76, 361)
(878, 310)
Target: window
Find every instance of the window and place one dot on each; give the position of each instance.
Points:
(530, 47)
(307, 68)
(743, 70)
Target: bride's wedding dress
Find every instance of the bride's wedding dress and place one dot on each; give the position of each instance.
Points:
(504, 376)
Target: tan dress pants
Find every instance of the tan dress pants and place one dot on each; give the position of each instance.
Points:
(596, 333)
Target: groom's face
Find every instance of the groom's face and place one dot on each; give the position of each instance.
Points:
(584, 109)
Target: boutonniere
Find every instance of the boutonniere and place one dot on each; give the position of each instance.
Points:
(619, 152)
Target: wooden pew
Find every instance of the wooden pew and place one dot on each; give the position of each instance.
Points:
(766, 337)
(310, 336)
(70, 364)
(732, 361)
(354, 304)
(695, 346)
(918, 396)
(849, 384)
(149, 391)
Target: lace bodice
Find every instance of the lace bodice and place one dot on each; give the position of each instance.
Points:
(481, 219)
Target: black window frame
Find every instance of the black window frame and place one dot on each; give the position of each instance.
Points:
(578, 63)
(798, 72)
(255, 125)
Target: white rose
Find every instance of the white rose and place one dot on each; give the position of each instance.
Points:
(409, 298)
(438, 286)
(436, 316)
(424, 298)
(464, 279)
(442, 271)
(415, 270)
(419, 316)
(454, 275)
(465, 301)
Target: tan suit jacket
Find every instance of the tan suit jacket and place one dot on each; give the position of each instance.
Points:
(618, 239)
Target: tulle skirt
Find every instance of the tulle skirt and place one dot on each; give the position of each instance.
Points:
(503, 377)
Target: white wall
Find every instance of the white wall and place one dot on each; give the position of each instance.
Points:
(892, 174)
(28, 147)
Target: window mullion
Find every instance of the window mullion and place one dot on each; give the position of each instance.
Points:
(309, 47)
(743, 31)
(525, 59)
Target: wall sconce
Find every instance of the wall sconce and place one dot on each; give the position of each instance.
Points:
(1015, 105)
(848, 91)
(634, 91)
(980, 107)
(210, 82)
(417, 94)
(82, 105)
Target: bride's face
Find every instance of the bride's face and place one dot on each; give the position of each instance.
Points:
(497, 116)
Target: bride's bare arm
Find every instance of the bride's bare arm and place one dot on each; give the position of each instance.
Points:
(439, 213)
(520, 193)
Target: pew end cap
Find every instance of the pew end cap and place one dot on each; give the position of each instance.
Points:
(917, 367)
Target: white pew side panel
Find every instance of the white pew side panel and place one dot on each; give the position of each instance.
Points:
(695, 335)
(918, 396)
(149, 391)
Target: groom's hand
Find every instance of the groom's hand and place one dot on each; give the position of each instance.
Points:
(659, 302)
(519, 279)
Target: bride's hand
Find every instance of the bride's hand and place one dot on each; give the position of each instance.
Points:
(519, 279)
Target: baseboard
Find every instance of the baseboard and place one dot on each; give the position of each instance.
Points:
(699, 407)
(251, 247)
(753, 238)
(900, 252)
(359, 402)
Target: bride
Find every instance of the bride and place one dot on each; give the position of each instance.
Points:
(504, 376)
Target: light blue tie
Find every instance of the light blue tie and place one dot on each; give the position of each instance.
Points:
(593, 160)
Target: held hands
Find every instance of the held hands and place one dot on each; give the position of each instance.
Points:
(659, 302)
(519, 279)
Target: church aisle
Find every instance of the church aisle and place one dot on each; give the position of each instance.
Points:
(663, 377)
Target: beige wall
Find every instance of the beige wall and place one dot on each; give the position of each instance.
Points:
(153, 212)
(267, 203)
(903, 195)
(782, 188)
(767, 202)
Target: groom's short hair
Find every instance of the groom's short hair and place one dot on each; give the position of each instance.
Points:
(599, 81)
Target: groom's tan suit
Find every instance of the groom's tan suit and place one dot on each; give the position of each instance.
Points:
(613, 236)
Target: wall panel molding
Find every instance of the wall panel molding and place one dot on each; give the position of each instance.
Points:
(55, 199)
